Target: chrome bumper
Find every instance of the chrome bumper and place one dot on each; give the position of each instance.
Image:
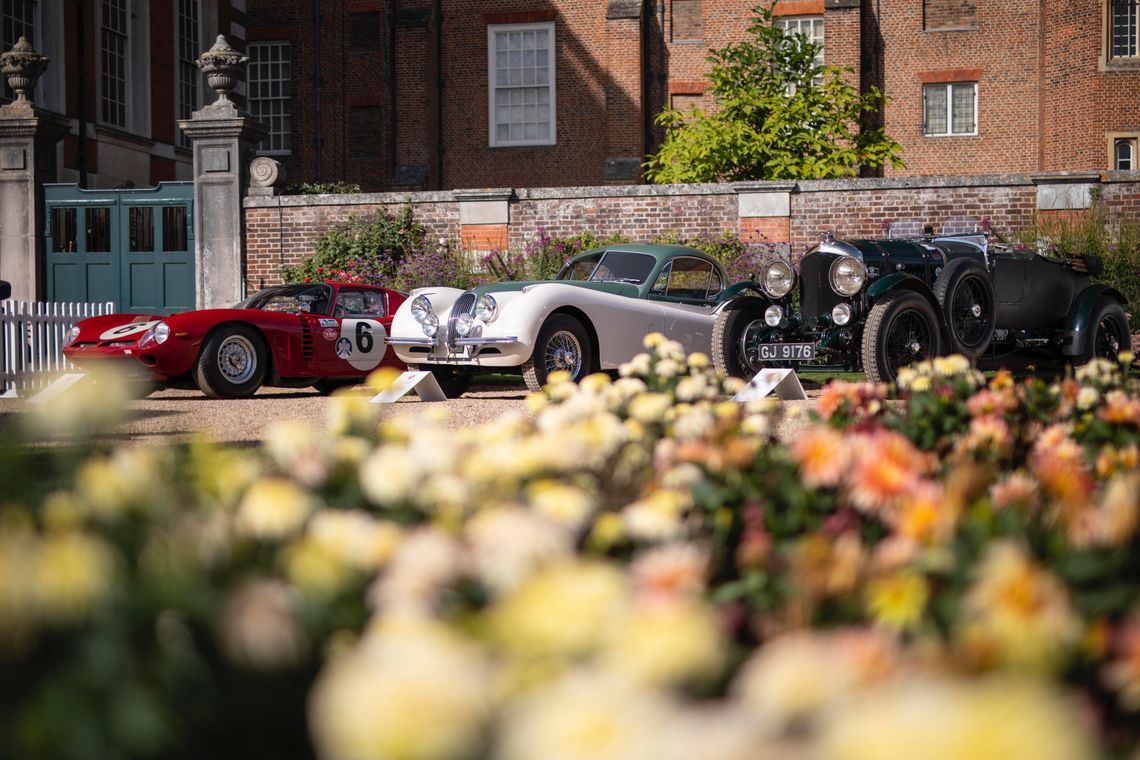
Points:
(433, 342)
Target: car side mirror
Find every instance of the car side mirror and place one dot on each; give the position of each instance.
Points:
(5, 289)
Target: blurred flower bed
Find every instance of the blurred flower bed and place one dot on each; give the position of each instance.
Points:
(637, 569)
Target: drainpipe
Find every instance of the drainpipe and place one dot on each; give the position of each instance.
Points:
(81, 88)
(317, 85)
(439, 93)
(391, 91)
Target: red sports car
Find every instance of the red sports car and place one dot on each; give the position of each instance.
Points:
(320, 334)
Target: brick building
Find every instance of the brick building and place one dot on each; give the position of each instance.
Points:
(436, 94)
(122, 72)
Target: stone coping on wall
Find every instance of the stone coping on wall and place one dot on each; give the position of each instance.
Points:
(636, 191)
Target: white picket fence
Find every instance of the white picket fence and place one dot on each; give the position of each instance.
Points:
(31, 341)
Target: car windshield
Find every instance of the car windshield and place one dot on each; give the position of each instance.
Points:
(611, 266)
(298, 297)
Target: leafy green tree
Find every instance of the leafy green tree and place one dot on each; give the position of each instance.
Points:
(779, 115)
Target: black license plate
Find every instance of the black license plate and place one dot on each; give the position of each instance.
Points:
(779, 352)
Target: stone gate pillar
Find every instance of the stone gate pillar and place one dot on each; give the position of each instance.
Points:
(27, 160)
(224, 138)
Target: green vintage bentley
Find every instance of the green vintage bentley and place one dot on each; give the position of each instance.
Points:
(879, 305)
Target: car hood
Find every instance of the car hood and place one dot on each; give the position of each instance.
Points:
(616, 288)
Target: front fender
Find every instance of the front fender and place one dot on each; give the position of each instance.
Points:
(1081, 314)
(734, 290)
(897, 281)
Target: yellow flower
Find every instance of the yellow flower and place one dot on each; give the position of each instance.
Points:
(74, 573)
(273, 508)
(997, 717)
(508, 544)
(587, 716)
(412, 690)
(657, 517)
(382, 379)
(1016, 612)
(649, 408)
(609, 529)
(566, 504)
(667, 643)
(898, 601)
(315, 568)
(565, 610)
(653, 340)
(697, 360)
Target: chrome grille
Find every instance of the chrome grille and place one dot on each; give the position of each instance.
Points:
(816, 295)
(463, 305)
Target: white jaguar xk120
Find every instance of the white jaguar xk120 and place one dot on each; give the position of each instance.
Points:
(593, 316)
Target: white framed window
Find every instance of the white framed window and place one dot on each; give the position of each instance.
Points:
(521, 102)
(114, 60)
(18, 18)
(188, 79)
(1124, 154)
(950, 109)
(1124, 29)
(270, 95)
(809, 26)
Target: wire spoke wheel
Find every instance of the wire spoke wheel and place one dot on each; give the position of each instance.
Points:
(908, 341)
(971, 312)
(563, 353)
(237, 359)
(750, 339)
(1110, 337)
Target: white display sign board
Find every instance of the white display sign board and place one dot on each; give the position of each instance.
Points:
(783, 382)
(57, 388)
(422, 382)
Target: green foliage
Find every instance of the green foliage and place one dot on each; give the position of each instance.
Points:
(363, 250)
(321, 188)
(1115, 237)
(779, 115)
(542, 258)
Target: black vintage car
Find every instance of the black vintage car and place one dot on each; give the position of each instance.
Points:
(879, 305)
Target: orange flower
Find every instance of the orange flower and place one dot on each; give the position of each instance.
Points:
(887, 466)
(1120, 409)
(823, 456)
(1018, 489)
(924, 515)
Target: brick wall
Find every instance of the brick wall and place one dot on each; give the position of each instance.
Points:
(282, 230)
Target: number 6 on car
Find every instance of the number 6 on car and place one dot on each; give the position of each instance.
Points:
(362, 343)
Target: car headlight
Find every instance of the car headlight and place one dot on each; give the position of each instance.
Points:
(486, 307)
(72, 335)
(430, 324)
(847, 275)
(841, 314)
(772, 315)
(777, 278)
(421, 309)
(161, 333)
(463, 325)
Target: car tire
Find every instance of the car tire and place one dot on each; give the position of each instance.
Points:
(728, 353)
(451, 381)
(900, 330)
(562, 344)
(969, 309)
(232, 362)
(1110, 333)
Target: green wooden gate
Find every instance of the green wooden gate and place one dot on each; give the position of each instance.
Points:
(134, 247)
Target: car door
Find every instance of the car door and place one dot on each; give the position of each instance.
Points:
(353, 339)
(685, 290)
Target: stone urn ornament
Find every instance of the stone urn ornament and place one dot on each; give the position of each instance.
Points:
(223, 67)
(22, 66)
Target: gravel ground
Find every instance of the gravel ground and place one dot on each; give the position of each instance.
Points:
(180, 414)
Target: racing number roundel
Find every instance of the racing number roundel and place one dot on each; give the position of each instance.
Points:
(362, 343)
(124, 331)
